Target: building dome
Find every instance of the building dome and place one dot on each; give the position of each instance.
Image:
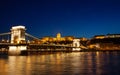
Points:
(58, 35)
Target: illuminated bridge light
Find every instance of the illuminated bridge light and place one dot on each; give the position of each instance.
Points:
(76, 43)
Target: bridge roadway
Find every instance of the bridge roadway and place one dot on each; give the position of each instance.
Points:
(41, 46)
(28, 44)
(49, 45)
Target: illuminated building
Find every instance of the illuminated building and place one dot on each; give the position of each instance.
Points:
(58, 38)
(113, 36)
(107, 36)
(83, 39)
(99, 37)
(58, 35)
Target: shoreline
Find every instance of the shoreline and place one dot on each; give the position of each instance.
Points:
(26, 52)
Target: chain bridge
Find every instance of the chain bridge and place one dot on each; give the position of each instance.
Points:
(18, 40)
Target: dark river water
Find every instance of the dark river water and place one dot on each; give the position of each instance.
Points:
(75, 63)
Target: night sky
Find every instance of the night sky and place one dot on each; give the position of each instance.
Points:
(79, 18)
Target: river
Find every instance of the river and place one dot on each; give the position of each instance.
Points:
(74, 63)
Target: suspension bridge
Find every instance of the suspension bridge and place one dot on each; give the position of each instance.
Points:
(18, 40)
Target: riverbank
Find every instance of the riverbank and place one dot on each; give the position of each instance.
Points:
(96, 50)
(37, 52)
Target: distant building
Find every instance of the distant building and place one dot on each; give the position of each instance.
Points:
(58, 38)
(83, 39)
(99, 36)
(106, 36)
(105, 42)
(112, 35)
(58, 35)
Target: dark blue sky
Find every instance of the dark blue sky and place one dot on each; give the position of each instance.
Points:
(79, 18)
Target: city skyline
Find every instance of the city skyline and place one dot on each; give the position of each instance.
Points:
(68, 17)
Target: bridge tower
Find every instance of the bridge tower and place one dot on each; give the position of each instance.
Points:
(76, 45)
(17, 35)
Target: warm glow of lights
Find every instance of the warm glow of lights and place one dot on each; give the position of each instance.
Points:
(99, 37)
(94, 46)
(76, 43)
(83, 39)
(58, 35)
(18, 27)
(3, 40)
(13, 48)
(22, 48)
(76, 49)
(18, 34)
(58, 38)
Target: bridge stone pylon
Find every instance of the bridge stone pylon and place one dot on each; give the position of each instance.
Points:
(76, 45)
(17, 34)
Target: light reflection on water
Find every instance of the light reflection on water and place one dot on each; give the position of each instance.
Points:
(75, 63)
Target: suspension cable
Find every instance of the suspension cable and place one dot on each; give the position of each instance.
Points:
(5, 33)
(31, 36)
